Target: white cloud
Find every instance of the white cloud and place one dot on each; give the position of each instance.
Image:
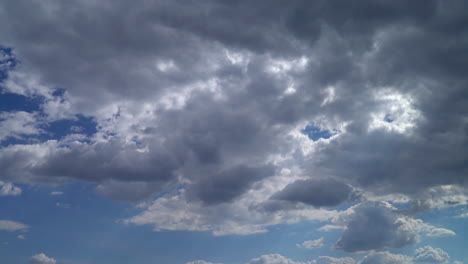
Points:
(274, 259)
(332, 260)
(310, 244)
(441, 232)
(56, 193)
(8, 189)
(18, 124)
(429, 254)
(201, 262)
(12, 226)
(385, 258)
(41, 258)
(327, 228)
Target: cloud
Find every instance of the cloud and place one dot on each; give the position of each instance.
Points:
(18, 125)
(385, 258)
(175, 212)
(462, 215)
(198, 115)
(56, 193)
(327, 228)
(320, 192)
(228, 184)
(8, 189)
(201, 262)
(273, 259)
(332, 260)
(12, 226)
(310, 244)
(377, 226)
(41, 258)
(279, 259)
(429, 254)
(438, 232)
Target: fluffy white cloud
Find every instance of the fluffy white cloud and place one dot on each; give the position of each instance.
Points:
(41, 258)
(12, 226)
(7, 189)
(310, 244)
(385, 258)
(18, 124)
(429, 254)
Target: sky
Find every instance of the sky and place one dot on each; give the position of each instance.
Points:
(233, 132)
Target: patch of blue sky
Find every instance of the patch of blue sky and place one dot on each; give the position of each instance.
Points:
(10, 102)
(87, 230)
(315, 132)
(79, 125)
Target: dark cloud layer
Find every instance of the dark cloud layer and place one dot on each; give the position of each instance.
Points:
(322, 192)
(376, 226)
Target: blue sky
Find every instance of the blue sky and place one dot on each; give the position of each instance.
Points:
(217, 132)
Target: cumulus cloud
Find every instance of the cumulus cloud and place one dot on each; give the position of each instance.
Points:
(12, 226)
(41, 258)
(377, 226)
(8, 189)
(385, 258)
(310, 244)
(429, 254)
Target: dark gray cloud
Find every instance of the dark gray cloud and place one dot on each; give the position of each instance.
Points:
(319, 192)
(377, 226)
(227, 185)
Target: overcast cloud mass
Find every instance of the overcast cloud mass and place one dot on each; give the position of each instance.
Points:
(239, 120)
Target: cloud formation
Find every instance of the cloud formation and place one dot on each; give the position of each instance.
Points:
(377, 226)
(429, 254)
(204, 116)
(441, 232)
(310, 244)
(8, 189)
(12, 226)
(41, 258)
(385, 258)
